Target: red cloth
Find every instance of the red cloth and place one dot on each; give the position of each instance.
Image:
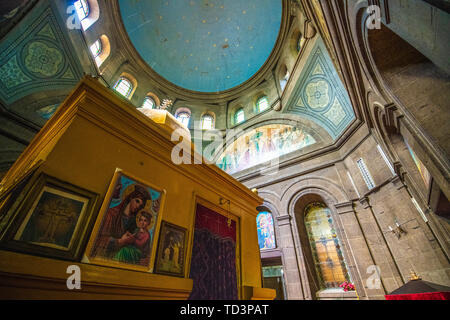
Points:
(420, 296)
(215, 223)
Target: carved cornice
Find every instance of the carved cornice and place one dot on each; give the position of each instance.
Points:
(284, 220)
(365, 202)
(345, 207)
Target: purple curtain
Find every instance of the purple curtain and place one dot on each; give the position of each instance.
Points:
(213, 264)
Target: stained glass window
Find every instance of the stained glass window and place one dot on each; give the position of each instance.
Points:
(82, 8)
(284, 81)
(184, 118)
(325, 246)
(262, 104)
(96, 48)
(424, 173)
(207, 122)
(272, 271)
(124, 87)
(366, 174)
(48, 111)
(239, 116)
(301, 40)
(266, 236)
(149, 103)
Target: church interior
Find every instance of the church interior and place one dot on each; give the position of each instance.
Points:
(224, 150)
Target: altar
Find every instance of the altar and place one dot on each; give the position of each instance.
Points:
(97, 198)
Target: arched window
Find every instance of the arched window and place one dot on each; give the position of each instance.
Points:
(101, 49)
(82, 8)
(262, 104)
(239, 116)
(266, 236)
(325, 246)
(184, 117)
(284, 77)
(148, 103)
(366, 174)
(96, 48)
(124, 87)
(301, 40)
(207, 122)
(424, 173)
(87, 11)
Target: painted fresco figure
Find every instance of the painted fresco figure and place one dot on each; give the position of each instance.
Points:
(139, 244)
(120, 222)
(171, 256)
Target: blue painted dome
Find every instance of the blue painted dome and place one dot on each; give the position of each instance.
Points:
(203, 45)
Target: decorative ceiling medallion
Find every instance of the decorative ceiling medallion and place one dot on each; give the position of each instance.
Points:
(42, 59)
(318, 94)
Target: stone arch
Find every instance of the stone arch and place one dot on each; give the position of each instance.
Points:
(321, 184)
(391, 76)
(295, 200)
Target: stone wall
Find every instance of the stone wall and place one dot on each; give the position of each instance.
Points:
(362, 219)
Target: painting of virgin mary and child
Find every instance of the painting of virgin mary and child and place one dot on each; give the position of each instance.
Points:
(127, 230)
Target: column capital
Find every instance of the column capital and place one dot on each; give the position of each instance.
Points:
(284, 220)
(365, 202)
(344, 207)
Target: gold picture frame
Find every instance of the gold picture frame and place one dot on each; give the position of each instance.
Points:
(171, 254)
(52, 220)
(127, 227)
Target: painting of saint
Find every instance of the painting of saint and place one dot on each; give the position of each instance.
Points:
(53, 219)
(127, 230)
(266, 236)
(170, 259)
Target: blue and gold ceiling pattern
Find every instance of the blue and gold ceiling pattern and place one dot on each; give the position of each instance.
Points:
(203, 45)
(36, 56)
(319, 94)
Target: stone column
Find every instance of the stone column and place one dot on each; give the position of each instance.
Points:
(294, 288)
(358, 251)
(391, 277)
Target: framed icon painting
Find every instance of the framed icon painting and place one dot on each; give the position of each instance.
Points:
(127, 225)
(53, 220)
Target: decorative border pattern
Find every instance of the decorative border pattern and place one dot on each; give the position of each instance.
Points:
(37, 58)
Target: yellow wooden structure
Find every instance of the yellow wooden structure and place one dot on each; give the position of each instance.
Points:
(94, 132)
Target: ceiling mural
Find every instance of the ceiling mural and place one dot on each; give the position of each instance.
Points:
(261, 145)
(36, 56)
(320, 95)
(47, 112)
(203, 45)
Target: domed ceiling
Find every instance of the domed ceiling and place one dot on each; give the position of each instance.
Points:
(203, 45)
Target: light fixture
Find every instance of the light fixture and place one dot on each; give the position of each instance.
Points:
(166, 104)
(414, 276)
(397, 229)
(223, 201)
